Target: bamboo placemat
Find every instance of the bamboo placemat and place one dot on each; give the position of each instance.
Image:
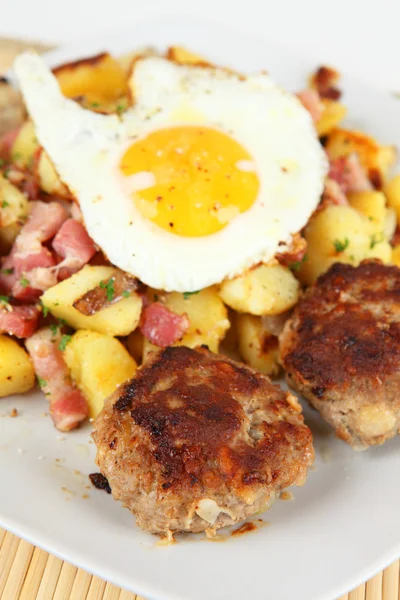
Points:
(29, 573)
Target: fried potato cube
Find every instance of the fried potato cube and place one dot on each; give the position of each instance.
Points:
(334, 112)
(264, 290)
(257, 346)
(207, 314)
(49, 180)
(25, 145)
(16, 371)
(376, 159)
(118, 319)
(100, 79)
(396, 256)
(341, 234)
(372, 204)
(184, 57)
(98, 364)
(14, 209)
(134, 344)
(392, 192)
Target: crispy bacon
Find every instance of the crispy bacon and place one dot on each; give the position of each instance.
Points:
(68, 407)
(74, 245)
(312, 102)
(295, 253)
(28, 258)
(44, 221)
(97, 299)
(333, 194)
(325, 80)
(348, 172)
(161, 326)
(20, 321)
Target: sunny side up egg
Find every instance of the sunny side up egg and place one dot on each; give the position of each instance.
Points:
(199, 180)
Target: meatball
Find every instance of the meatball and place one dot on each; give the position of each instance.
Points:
(197, 441)
(341, 350)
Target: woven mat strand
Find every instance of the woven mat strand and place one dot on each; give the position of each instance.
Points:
(28, 573)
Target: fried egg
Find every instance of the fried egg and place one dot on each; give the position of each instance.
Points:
(201, 178)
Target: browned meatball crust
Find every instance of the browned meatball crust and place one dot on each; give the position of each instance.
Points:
(341, 350)
(197, 441)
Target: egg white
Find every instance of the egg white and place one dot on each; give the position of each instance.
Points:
(86, 149)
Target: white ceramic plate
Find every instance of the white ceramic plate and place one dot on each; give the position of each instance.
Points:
(342, 526)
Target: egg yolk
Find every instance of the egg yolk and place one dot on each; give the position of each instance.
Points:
(190, 180)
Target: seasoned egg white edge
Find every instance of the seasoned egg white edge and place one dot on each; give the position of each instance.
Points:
(86, 149)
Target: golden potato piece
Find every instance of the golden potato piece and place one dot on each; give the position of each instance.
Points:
(341, 234)
(118, 319)
(49, 180)
(100, 79)
(134, 344)
(14, 210)
(25, 146)
(333, 115)
(376, 159)
(372, 204)
(208, 318)
(185, 57)
(16, 371)
(392, 192)
(264, 290)
(396, 256)
(98, 364)
(257, 346)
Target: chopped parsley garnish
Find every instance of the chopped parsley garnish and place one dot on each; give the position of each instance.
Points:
(45, 309)
(95, 104)
(4, 204)
(126, 294)
(4, 299)
(24, 282)
(2, 162)
(109, 287)
(53, 329)
(296, 265)
(64, 341)
(340, 246)
(7, 271)
(186, 295)
(41, 382)
(374, 240)
(7, 172)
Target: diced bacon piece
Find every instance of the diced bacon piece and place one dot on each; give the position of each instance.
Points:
(295, 253)
(161, 326)
(24, 262)
(325, 80)
(333, 194)
(348, 172)
(76, 212)
(20, 321)
(7, 275)
(68, 407)
(25, 293)
(74, 245)
(312, 102)
(43, 223)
